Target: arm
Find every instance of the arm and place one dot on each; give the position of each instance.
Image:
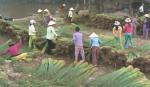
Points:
(74, 38)
(54, 32)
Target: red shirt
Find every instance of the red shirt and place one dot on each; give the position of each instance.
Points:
(128, 28)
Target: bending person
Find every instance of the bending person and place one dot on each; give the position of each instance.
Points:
(117, 32)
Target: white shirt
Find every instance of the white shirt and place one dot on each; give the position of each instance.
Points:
(51, 33)
(31, 30)
(141, 8)
(70, 14)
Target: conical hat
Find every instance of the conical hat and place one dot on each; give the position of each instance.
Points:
(39, 10)
(32, 21)
(116, 23)
(51, 23)
(71, 9)
(93, 35)
(146, 15)
(46, 10)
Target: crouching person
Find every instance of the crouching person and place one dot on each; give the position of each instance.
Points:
(95, 46)
(14, 51)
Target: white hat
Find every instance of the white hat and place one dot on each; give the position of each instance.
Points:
(128, 20)
(71, 9)
(146, 15)
(117, 23)
(39, 10)
(51, 23)
(46, 10)
(93, 35)
(32, 21)
(64, 4)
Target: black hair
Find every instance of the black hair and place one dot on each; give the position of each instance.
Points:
(77, 29)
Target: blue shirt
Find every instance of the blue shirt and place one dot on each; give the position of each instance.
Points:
(78, 39)
(95, 41)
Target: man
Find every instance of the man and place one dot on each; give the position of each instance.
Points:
(78, 42)
(14, 51)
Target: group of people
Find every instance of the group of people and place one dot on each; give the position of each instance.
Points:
(127, 30)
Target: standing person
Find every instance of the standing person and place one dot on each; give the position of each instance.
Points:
(128, 29)
(117, 32)
(32, 34)
(78, 42)
(51, 35)
(146, 26)
(134, 24)
(141, 9)
(95, 45)
(48, 16)
(70, 14)
(14, 50)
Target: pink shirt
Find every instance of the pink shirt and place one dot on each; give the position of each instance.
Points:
(15, 49)
(128, 28)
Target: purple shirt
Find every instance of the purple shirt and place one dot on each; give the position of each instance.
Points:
(78, 39)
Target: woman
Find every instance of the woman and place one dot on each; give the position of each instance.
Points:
(128, 29)
(117, 32)
(95, 44)
(51, 34)
(146, 26)
(32, 33)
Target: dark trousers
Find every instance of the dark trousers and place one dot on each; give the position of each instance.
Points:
(51, 45)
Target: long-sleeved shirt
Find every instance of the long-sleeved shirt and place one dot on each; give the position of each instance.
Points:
(117, 33)
(78, 39)
(70, 14)
(51, 33)
(15, 49)
(95, 41)
(128, 28)
(32, 30)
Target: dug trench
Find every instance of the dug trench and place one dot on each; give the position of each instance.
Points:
(65, 48)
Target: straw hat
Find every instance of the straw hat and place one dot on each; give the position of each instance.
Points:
(51, 23)
(146, 15)
(128, 20)
(93, 35)
(46, 10)
(117, 23)
(71, 9)
(32, 21)
(39, 10)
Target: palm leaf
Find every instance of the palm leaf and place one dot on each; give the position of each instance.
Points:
(125, 77)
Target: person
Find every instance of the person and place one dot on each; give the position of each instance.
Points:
(50, 36)
(32, 34)
(14, 50)
(70, 14)
(48, 17)
(95, 46)
(117, 32)
(141, 9)
(128, 29)
(134, 24)
(146, 26)
(78, 42)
